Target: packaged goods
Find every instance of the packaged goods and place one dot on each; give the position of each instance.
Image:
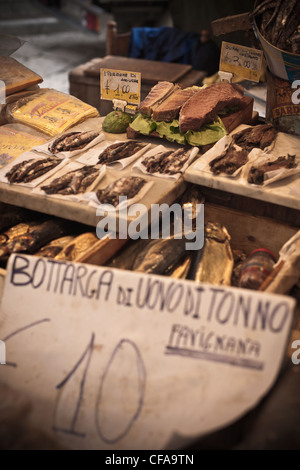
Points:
(50, 111)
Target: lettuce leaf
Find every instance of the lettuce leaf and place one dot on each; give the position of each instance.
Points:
(170, 130)
(209, 133)
(143, 124)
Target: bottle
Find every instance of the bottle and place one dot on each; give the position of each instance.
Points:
(256, 268)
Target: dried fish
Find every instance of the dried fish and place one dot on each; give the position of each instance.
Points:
(229, 161)
(120, 150)
(77, 247)
(72, 141)
(30, 237)
(169, 162)
(256, 173)
(260, 136)
(32, 169)
(14, 216)
(214, 262)
(73, 182)
(53, 248)
(180, 271)
(160, 256)
(125, 258)
(126, 186)
(278, 21)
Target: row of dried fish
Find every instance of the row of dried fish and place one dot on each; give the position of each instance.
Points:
(168, 256)
(73, 182)
(168, 162)
(31, 236)
(54, 238)
(72, 141)
(236, 154)
(278, 22)
(68, 248)
(29, 170)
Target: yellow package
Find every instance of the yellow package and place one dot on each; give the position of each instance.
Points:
(13, 142)
(51, 111)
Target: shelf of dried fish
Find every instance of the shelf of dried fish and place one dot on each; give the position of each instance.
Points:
(63, 176)
(254, 161)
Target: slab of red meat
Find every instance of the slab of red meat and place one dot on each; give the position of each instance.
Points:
(204, 106)
(156, 94)
(170, 107)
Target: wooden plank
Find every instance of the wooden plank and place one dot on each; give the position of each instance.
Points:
(16, 76)
(249, 232)
(152, 71)
(230, 24)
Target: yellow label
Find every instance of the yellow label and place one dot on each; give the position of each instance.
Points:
(120, 85)
(242, 61)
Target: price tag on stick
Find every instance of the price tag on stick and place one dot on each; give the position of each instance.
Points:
(242, 61)
(120, 85)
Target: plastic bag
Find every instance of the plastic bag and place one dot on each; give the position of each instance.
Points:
(50, 111)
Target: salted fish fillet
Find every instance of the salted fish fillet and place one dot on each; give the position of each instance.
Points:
(215, 263)
(170, 107)
(160, 91)
(204, 105)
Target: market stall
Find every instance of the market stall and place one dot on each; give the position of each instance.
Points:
(131, 326)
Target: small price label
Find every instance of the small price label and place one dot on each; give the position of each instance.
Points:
(120, 85)
(240, 60)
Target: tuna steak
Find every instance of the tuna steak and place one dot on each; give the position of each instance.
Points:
(204, 106)
(170, 107)
(160, 91)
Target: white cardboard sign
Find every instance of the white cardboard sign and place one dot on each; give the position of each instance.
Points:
(121, 360)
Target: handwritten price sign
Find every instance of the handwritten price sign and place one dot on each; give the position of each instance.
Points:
(243, 61)
(120, 85)
(121, 360)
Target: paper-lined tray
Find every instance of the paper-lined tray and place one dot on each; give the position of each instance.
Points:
(77, 208)
(63, 173)
(93, 200)
(26, 157)
(92, 158)
(280, 187)
(90, 149)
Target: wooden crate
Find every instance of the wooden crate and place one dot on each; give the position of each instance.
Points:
(84, 81)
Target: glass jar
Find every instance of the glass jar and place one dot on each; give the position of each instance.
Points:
(256, 268)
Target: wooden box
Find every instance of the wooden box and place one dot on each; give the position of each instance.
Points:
(84, 81)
